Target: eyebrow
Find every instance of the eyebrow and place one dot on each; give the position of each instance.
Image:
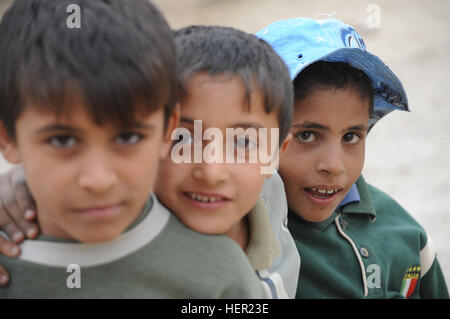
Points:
(235, 125)
(138, 125)
(359, 127)
(311, 125)
(56, 127)
(67, 128)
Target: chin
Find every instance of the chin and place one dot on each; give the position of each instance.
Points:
(207, 230)
(318, 218)
(98, 236)
(314, 216)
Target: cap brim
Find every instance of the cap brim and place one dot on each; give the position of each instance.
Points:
(389, 92)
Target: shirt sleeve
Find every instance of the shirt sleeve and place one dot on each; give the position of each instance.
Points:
(432, 284)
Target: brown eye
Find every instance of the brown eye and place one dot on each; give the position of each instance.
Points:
(351, 138)
(62, 141)
(245, 142)
(305, 137)
(128, 138)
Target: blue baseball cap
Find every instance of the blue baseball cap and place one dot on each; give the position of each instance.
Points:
(302, 41)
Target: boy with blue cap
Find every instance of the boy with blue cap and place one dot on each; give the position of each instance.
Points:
(354, 240)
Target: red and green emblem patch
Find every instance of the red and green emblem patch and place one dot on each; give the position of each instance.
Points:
(410, 281)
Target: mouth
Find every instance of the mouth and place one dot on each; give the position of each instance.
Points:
(322, 194)
(205, 200)
(100, 211)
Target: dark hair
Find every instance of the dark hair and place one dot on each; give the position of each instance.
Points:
(339, 75)
(121, 60)
(224, 50)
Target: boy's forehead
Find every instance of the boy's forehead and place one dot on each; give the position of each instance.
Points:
(73, 106)
(223, 99)
(328, 93)
(336, 106)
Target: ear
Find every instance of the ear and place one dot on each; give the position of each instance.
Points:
(172, 123)
(285, 143)
(283, 147)
(8, 147)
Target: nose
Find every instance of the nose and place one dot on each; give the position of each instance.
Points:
(331, 161)
(97, 174)
(211, 173)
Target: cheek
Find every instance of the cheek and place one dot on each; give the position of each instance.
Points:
(291, 186)
(355, 158)
(293, 167)
(356, 164)
(144, 167)
(49, 187)
(140, 167)
(170, 175)
(249, 182)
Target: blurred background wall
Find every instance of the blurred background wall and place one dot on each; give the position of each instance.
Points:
(408, 154)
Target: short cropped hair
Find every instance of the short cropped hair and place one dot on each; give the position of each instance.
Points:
(333, 75)
(121, 59)
(225, 50)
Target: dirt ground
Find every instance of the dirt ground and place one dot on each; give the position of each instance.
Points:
(408, 154)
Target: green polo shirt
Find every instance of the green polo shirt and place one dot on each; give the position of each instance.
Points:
(372, 248)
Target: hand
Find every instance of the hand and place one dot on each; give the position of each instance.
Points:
(17, 210)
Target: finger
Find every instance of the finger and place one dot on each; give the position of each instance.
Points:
(22, 195)
(31, 230)
(24, 202)
(10, 206)
(8, 249)
(9, 227)
(30, 214)
(4, 277)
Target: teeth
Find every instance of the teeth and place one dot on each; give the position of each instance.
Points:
(324, 191)
(204, 198)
